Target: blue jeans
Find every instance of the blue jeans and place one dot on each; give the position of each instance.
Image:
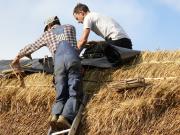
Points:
(68, 81)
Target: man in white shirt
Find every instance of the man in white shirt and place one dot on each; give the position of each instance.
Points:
(103, 26)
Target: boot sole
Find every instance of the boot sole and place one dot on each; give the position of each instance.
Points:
(62, 126)
(53, 125)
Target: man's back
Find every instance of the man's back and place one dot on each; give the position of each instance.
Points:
(104, 26)
(52, 39)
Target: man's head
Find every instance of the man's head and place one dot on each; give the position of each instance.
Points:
(50, 22)
(80, 11)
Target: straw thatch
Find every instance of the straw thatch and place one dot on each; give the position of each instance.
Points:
(155, 109)
(25, 106)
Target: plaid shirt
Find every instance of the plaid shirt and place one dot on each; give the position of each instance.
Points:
(51, 40)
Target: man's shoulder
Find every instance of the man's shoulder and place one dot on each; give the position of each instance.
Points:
(67, 25)
(93, 14)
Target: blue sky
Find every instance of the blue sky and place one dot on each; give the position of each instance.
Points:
(152, 24)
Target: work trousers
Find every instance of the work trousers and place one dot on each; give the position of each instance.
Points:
(68, 81)
(124, 42)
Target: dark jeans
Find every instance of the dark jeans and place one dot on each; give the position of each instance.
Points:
(124, 42)
(68, 81)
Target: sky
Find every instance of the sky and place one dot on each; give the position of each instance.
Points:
(151, 24)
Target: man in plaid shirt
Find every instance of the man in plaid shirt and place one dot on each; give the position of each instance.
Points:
(61, 41)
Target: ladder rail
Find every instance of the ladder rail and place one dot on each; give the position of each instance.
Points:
(78, 117)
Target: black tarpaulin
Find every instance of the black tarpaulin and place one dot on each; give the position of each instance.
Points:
(111, 57)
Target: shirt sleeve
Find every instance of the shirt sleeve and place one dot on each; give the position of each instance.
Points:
(87, 22)
(29, 49)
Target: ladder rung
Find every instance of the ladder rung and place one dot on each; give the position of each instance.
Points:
(61, 132)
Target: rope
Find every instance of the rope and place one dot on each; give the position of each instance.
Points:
(160, 62)
(148, 78)
(162, 78)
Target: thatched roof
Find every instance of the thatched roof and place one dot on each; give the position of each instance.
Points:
(154, 109)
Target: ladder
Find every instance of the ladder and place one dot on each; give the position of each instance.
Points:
(75, 124)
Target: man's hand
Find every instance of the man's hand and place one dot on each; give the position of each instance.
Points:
(29, 56)
(16, 65)
(79, 45)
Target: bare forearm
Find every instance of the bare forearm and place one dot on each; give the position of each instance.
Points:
(84, 38)
(81, 43)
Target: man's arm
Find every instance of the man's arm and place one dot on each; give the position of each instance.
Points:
(84, 38)
(27, 50)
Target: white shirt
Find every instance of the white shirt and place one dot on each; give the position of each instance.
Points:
(104, 26)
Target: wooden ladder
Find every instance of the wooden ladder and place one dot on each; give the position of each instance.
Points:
(75, 124)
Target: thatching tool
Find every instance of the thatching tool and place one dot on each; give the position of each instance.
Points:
(46, 61)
